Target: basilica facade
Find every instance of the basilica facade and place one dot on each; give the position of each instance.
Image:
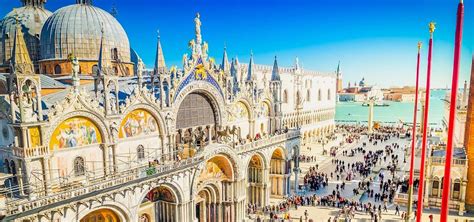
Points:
(88, 135)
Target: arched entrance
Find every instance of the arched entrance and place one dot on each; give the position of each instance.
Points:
(279, 173)
(196, 123)
(255, 178)
(101, 215)
(216, 191)
(160, 205)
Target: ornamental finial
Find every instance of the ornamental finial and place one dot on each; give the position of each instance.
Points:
(419, 45)
(432, 27)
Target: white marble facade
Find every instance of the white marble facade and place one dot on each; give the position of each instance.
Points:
(191, 144)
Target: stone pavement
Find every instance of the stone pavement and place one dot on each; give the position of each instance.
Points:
(320, 213)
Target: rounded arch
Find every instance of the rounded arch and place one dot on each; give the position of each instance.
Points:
(139, 122)
(208, 91)
(115, 212)
(172, 187)
(247, 105)
(261, 157)
(93, 117)
(219, 167)
(152, 111)
(278, 153)
(75, 131)
(209, 152)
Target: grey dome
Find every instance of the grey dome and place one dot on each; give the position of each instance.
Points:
(31, 19)
(77, 29)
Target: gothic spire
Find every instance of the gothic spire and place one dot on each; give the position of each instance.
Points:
(250, 74)
(338, 70)
(275, 72)
(160, 65)
(21, 61)
(34, 3)
(234, 73)
(102, 63)
(225, 61)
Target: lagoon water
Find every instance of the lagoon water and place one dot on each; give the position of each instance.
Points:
(394, 113)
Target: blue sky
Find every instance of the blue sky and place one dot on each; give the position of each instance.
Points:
(375, 39)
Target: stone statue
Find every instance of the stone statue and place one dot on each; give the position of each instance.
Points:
(113, 130)
(75, 67)
(140, 68)
(169, 121)
(205, 48)
(197, 22)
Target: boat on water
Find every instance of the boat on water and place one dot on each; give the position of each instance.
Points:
(376, 103)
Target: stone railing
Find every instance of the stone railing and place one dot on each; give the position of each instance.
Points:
(108, 183)
(30, 152)
(442, 161)
(267, 141)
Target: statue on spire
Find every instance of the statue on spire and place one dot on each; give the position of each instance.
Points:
(197, 22)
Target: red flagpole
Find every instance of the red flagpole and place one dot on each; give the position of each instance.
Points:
(419, 208)
(452, 114)
(413, 142)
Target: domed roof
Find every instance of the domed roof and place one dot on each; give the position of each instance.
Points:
(78, 29)
(31, 18)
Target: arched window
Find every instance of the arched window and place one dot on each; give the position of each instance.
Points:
(114, 54)
(57, 69)
(6, 167)
(79, 169)
(140, 152)
(285, 96)
(329, 94)
(435, 188)
(456, 190)
(308, 95)
(319, 95)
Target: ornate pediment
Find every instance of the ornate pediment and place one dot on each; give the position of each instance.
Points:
(200, 73)
(139, 95)
(75, 101)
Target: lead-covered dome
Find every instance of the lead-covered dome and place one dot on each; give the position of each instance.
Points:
(77, 29)
(31, 18)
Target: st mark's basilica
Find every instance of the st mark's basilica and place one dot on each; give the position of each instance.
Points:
(88, 134)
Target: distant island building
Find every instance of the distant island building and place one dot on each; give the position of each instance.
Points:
(403, 94)
(360, 92)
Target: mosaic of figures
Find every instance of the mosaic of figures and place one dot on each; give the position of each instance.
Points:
(138, 123)
(75, 132)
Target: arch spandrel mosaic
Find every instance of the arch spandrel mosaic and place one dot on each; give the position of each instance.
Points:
(101, 215)
(239, 111)
(161, 194)
(138, 123)
(217, 167)
(75, 132)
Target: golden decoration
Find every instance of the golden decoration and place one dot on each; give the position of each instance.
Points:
(200, 72)
(432, 27)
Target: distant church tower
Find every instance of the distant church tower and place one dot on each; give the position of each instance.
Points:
(338, 78)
